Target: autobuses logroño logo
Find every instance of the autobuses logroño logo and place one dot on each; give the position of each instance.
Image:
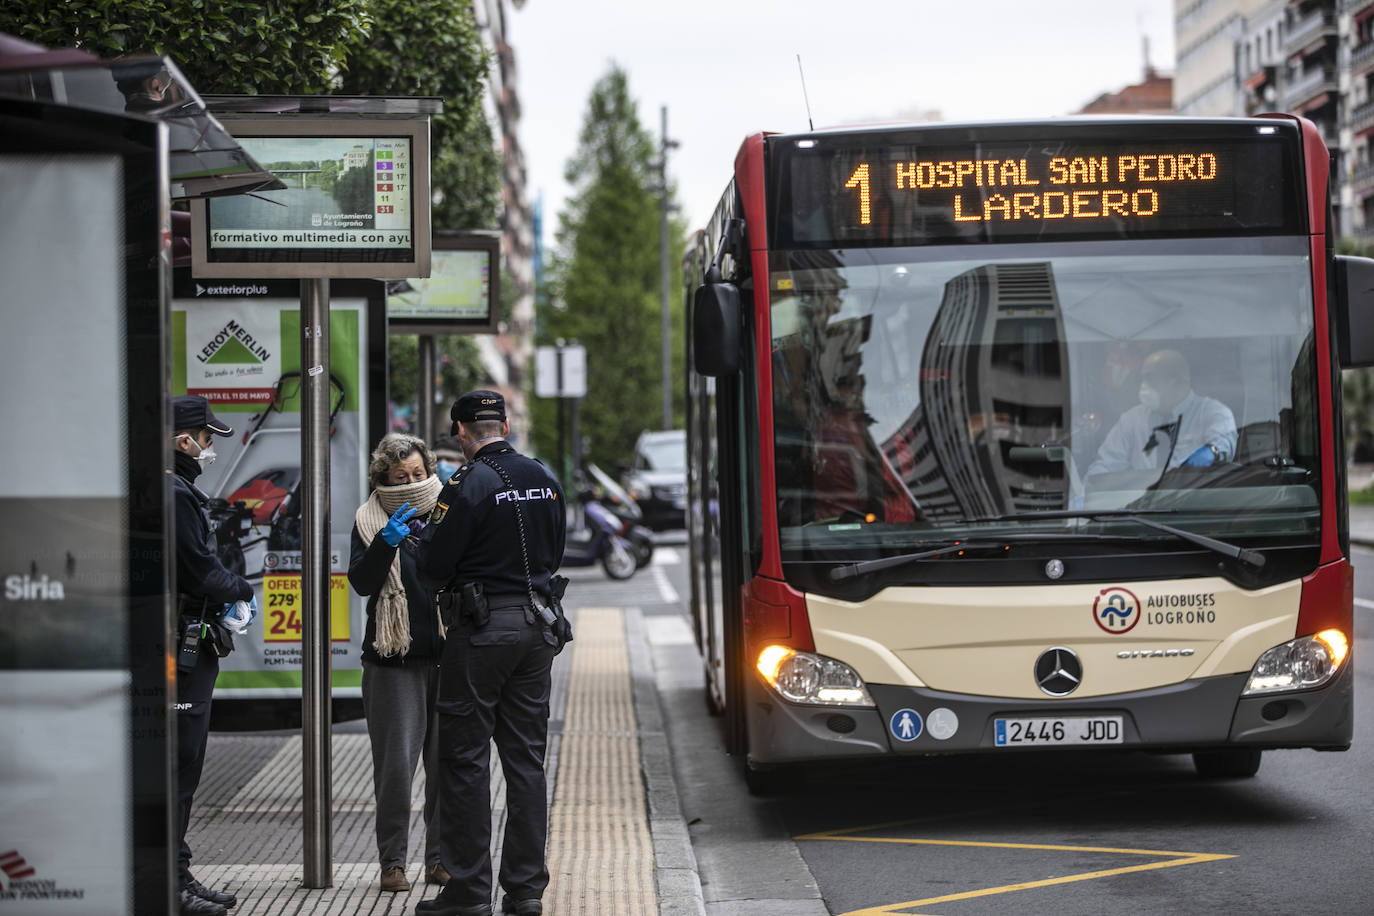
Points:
(20, 881)
(1116, 609)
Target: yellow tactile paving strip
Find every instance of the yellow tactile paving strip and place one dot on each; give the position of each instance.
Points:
(600, 853)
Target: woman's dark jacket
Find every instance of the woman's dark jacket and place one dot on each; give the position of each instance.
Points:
(368, 566)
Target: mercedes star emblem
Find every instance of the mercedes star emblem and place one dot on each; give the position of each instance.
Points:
(1058, 672)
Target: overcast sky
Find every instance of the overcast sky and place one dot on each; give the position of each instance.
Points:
(728, 68)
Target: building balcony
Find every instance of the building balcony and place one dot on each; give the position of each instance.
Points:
(1321, 24)
(1355, 7)
(1361, 116)
(1263, 76)
(1362, 177)
(1362, 57)
(1308, 86)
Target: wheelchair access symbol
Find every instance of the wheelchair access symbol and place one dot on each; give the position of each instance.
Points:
(905, 725)
(1116, 610)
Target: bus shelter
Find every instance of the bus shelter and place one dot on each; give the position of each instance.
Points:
(92, 154)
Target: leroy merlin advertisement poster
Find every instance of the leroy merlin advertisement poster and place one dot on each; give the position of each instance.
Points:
(237, 343)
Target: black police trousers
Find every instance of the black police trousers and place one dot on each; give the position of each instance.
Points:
(194, 689)
(494, 683)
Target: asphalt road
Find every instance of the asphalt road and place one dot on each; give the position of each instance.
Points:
(1063, 833)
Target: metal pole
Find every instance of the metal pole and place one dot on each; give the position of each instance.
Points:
(576, 437)
(666, 332)
(424, 413)
(558, 385)
(315, 662)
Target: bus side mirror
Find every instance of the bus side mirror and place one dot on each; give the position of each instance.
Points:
(1355, 311)
(715, 329)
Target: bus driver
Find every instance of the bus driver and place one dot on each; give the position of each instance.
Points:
(1171, 426)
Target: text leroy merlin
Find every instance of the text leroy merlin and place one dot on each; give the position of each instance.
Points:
(233, 331)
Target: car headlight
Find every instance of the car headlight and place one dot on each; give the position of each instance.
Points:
(1299, 664)
(640, 490)
(804, 677)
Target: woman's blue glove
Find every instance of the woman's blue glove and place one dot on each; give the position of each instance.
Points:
(1204, 457)
(396, 529)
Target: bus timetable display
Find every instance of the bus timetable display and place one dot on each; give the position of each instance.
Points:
(352, 198)
(912, 192)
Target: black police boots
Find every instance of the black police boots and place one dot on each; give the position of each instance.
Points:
(191, 905)
(223, 898)
(529, 907)
(440, 906)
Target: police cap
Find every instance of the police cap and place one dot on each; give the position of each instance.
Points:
(482, 404)
(191, 411)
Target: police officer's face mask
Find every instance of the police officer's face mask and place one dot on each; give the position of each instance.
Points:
(205, 455)
(1149, 396)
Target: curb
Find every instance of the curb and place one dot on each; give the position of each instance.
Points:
(676, 879)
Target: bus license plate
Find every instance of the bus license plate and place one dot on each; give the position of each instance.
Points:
(1057, 732)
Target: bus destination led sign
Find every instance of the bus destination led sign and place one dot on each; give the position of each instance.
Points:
(1084, 187)
(917, 188)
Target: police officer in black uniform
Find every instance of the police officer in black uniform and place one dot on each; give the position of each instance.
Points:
(493, 544)
(204, 586)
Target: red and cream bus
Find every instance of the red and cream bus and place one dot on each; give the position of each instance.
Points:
(1021, 436)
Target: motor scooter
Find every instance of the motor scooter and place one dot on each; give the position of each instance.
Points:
(611, 495)
(599, 541)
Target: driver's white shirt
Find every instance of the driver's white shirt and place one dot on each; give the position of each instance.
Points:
(1202, 421)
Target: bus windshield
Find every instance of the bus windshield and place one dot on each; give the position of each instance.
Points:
(924, 394)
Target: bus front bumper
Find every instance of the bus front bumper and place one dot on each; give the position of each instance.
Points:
(1202, 714)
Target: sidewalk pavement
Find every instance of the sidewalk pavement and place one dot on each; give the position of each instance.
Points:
(618, 843)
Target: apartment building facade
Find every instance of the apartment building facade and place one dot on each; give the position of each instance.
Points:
(1309, 57)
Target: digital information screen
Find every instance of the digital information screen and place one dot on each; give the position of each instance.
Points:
(460, 294)
(909, 189)
(345, 192)
(355, 196)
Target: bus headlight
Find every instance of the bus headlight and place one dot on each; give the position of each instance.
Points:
(1299, 663)
(804, 677)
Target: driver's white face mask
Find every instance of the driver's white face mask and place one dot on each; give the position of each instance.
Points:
(1149, 396)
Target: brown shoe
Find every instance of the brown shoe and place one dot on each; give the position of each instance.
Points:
(436, 874)
(394, 879)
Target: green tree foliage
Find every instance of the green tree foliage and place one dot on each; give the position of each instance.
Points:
(228, 46)
(606, 280)
(458, 368)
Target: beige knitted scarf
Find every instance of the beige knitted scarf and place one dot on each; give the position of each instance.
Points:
(392, 616)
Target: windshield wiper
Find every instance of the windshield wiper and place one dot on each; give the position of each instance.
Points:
(850, 570)
(840, 573)
(1244, 554)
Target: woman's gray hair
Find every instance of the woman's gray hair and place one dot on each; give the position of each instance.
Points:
(391, 451)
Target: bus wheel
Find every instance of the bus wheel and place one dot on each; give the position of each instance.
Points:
(1240, 763)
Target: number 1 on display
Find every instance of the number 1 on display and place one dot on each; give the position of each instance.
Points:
(860, 180)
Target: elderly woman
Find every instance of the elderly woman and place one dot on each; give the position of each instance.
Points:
(401, 649)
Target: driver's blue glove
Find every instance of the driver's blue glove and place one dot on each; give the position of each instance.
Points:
(1204, 457)
(396, 529)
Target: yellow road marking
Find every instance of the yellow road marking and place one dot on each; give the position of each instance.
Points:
(890, 909)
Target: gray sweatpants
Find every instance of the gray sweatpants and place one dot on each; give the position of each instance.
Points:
(398, 702)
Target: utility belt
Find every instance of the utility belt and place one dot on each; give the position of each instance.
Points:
(197, 624)
(470, 607)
